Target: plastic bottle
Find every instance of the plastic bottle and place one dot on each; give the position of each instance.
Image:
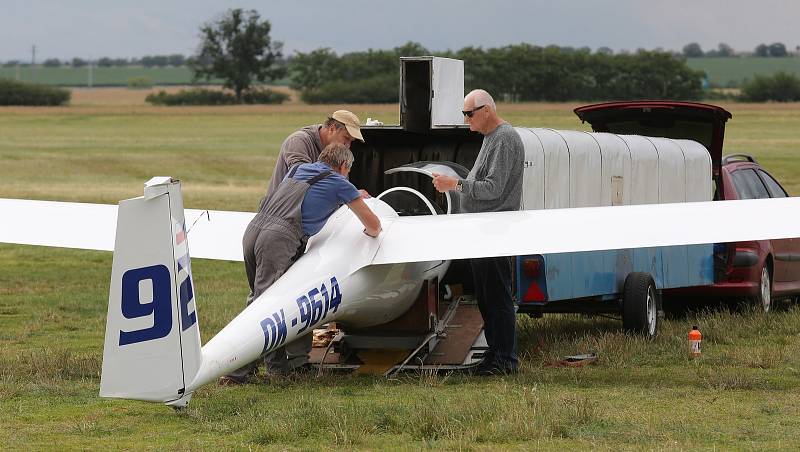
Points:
(695, 338)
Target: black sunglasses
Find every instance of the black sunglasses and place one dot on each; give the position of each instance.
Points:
(469, 113)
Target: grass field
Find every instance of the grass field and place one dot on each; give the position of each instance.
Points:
(101, 76)
(744, 393)
(724, 71)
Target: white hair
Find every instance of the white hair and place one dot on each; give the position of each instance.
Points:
(481, 98)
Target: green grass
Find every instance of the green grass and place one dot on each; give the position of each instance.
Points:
(725, 71)
(101, 76)
(744, 393)
(105, 76)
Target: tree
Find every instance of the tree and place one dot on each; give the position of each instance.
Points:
(724, 50)
(51, 62)
(692, 50)
(176, 60)
(310, 70)
(781, 87)
(777, 49)
(79, 62)
(237, 48)
(762, 50)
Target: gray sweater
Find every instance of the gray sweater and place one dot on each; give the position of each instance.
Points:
(303, 146)
(495, 182)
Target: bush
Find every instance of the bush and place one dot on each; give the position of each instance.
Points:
(213, 97)
(140, 82)
(30, 94)
(379, 89)
(264, 96)
(780, 87)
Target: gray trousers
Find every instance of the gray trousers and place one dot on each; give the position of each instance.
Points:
(270, 247)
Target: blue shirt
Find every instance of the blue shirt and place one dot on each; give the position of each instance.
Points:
(324, 197)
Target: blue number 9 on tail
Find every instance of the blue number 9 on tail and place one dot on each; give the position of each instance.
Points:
(160, 308)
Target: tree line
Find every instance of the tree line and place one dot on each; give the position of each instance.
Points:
(146, 61)
(776, 49)
(520, 72)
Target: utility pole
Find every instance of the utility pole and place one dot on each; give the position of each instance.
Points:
(90, 74)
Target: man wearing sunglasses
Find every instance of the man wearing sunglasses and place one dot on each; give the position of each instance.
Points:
(494, 184)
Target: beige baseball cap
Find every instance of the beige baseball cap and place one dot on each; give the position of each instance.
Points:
(350, 121)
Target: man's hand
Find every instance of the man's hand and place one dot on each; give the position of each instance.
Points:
(444, 183)
(364, 194)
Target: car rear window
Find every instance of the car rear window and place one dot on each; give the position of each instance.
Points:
(775, 189)
(748, 185)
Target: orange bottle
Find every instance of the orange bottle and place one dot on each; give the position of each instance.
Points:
(695, 338)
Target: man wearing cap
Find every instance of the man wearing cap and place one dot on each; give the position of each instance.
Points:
(276, 237)
(305, 145)
(302, 146)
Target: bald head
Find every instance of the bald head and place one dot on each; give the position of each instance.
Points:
(480, 112)
(479, 97)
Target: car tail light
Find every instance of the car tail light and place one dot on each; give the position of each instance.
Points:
(745, 257)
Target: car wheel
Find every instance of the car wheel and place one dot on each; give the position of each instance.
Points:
(640, 305)
(763, 300)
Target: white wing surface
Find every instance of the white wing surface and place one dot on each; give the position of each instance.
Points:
(414, 239)
(215, 234)
(60, 224)
(218, 234)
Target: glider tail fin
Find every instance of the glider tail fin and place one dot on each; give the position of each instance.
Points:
(152, 343)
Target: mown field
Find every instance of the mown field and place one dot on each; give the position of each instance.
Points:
(101, 76)
(724, 71)
(744, 393)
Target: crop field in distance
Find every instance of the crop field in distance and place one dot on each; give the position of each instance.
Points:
(743, 393)
(723, 71)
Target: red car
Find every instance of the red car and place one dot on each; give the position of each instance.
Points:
(758, 270)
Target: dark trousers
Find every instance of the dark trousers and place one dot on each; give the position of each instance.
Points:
(492, 277)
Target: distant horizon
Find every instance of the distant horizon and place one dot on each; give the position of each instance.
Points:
(91, 29)
(792, 52)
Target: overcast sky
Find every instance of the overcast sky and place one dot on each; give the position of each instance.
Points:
(97, 28)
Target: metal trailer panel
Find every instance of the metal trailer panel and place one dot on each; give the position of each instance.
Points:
(533, 170)
(672, 188)
(671, 171)
(699, 183)
(699, 187)
(602, 273)
(556, 168)
(615, 187)
(644, 170)
(558, 276)
(584, 162)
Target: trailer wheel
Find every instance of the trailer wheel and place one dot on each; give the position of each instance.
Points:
(640, 305)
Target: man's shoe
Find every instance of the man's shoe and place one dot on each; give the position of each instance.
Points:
(490, 369)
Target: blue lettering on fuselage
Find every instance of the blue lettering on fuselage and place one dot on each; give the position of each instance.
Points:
(314, 306)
